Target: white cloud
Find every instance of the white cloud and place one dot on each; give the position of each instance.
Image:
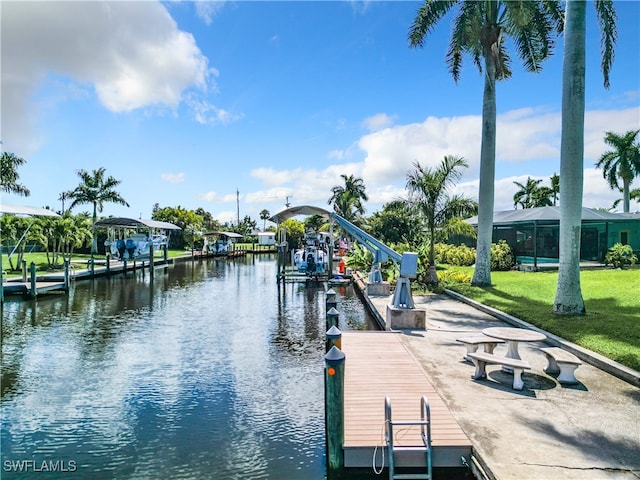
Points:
(131, 53)
(207, 9)
(378, 122)
(173, 177)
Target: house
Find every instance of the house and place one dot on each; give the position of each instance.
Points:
(533, 233)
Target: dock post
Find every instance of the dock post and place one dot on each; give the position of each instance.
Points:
(334, 409)
(332, 318)
(24, 270)
(331, 299)
(151, 261)
(333, 338)
(34, 290)
(66, 274)
(108, 265)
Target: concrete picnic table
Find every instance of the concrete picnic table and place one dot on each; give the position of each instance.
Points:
(513, 336)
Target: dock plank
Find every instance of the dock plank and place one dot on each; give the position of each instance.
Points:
(378, 365)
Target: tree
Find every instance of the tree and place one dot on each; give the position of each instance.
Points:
(396, 223)
(95, 189)
(633, 195)
(9, 175)
(568, 299)
(532, 194)
(555, 187)
(480, 29)
(429, 190)
(264, 216)
(623, 162)
(347, 200)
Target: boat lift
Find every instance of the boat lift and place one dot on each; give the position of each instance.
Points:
(408, 261)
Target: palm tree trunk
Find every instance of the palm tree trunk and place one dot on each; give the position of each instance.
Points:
(94, 241)
(569, 299)
(625, 195)
(482, 270)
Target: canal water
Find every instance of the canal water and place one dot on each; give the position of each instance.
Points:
(212, 370)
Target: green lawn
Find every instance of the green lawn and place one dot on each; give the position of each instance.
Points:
(611, 326)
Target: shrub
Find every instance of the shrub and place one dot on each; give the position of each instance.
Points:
(620, 256)
(461, 256)
(502, 258)
(448, 278)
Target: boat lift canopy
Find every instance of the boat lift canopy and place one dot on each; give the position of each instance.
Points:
(124, 222)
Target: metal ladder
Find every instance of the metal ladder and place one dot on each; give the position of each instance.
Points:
(425, 433)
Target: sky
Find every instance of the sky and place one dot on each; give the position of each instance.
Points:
(238, 106)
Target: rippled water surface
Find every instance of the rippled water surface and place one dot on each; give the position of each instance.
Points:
(210, 371)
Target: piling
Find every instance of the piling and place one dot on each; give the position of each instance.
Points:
(332, 318)
(151, 254)
(333, 338)
(66, 275)
(34, 290)
(331, 299)
(334, 409)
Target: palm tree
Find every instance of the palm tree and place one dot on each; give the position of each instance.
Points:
(480, 29)
(555, 187)
(623, 162)
(568, 300)
(429, 189)
(633, 195)
(9, 176)
(532, 194)
(264, 215)
(347, 200)
(97, 190)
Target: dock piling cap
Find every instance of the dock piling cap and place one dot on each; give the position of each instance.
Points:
(334, 356)
(333, 311)
(333, 332)
(331, 294)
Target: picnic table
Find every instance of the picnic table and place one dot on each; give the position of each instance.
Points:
(513, 337)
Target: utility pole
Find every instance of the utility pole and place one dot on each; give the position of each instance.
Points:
(238, 204)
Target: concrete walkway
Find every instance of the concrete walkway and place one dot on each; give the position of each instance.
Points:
(589, 431)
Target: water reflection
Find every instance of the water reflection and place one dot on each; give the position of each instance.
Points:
(211, 370)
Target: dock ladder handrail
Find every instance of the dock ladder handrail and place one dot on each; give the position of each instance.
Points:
(425, 433)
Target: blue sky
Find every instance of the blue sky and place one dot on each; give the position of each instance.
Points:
(188, 103)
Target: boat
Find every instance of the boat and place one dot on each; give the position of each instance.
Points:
(131, 239)
(313, 258)
(219, 243)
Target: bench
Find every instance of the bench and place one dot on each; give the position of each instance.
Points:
(481, 359)
(561, 362)
(473, 341)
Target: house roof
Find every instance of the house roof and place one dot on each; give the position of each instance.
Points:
(23, 210)
(548, 214)
(135, 223)
(301, 210)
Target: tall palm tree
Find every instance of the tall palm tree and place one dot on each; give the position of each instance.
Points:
(555, 187)
(568, 299)
(264, 215)
(429, 190)
(97, 190)
(9, 176)
(623, 162)
(532, 194)
(347, 200)
(633, 195)
(480, 29)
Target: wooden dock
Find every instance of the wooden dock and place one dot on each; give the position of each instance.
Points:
(378, 365)
(24, 288)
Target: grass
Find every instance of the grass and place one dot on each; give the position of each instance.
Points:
(611, 326)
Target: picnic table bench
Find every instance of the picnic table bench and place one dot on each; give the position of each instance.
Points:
(472, 342)
(561, 362)
(481, 359)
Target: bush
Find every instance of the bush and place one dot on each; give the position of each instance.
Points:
(448, 278)
(502, 258)
(620, 256)
(461, 256)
